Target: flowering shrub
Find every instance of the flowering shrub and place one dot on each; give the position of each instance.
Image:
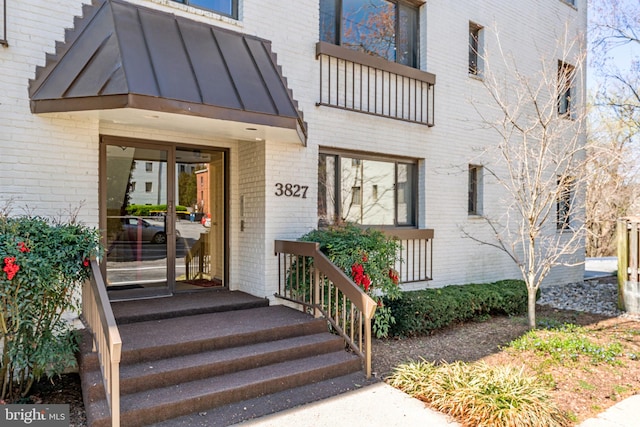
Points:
(368, 257)
(43, 264)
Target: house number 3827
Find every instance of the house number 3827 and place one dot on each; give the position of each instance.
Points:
(291, 190)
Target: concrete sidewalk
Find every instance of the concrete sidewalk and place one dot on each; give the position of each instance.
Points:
(376, 405)
(382, 405)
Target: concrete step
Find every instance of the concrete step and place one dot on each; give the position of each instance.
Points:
(165, 372)
(176, 366)
(157, 405)
(187, 304)
(165, 338)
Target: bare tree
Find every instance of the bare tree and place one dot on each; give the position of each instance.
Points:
(538, 162)
(615, 118)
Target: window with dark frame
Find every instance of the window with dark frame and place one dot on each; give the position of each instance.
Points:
(223, 7)
(148, 187)
(3, 23)
(148, 166)
(474, 190)
(378, 192)
(566, 77)
(475, 49)
(383, 28)
(564, 203)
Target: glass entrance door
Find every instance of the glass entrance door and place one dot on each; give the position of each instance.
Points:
(139, 235)
(200, 192)
(163, 209)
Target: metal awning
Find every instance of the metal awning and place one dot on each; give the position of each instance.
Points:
(123, 55)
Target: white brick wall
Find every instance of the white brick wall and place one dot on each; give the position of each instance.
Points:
(50, 163)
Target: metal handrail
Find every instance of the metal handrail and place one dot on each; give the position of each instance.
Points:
(107, 342)
(329, 292)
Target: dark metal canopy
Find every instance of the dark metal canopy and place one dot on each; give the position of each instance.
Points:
(122, 55)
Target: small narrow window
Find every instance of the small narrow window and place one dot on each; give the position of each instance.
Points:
(476, 36)
(148, 187)
(132, 187)
(356, 195)
(148, 167)
(475, 190)
(564, 202)
(566, 77)
(3, 23)
(374, 192)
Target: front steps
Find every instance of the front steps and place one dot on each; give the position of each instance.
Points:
(231, 352)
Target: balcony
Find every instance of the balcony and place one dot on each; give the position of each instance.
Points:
(355, 81)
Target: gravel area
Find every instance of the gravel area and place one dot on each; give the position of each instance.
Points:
(591, 296)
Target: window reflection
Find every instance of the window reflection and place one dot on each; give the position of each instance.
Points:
(367, 192)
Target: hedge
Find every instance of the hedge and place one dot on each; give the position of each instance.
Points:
(421, 312)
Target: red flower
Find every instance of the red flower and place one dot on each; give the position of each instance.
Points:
(357, 272)
(393, 275)
(86, 262)
(10, 267)
(365, 258)
(366, 282)
(23, 248)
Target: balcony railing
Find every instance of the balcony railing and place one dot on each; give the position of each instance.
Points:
(356, 81)
(416, 253)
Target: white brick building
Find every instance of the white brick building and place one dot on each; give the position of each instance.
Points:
(68, 135)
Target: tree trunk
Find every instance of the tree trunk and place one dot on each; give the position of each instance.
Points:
(531, 312)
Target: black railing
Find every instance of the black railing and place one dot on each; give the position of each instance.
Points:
(356, 81)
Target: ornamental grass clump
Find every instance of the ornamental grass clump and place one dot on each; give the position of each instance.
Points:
(481, 395)
(43, 266)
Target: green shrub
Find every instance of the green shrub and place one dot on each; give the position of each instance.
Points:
(42, 266)
(367, 256)
(481, 395)
(420, 312)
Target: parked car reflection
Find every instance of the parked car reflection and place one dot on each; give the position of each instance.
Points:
(134, 229)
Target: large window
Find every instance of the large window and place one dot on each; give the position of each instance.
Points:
(366, 191)
(384, 28)
(224, 7)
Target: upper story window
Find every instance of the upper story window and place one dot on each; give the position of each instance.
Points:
(475, 190)
(223, 7)
(564, 208)
(3, 23)
(566, 77)
(476, 41)
(383, 28)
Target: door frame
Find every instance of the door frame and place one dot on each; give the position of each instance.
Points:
(170, 147)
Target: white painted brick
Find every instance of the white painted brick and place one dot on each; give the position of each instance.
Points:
(51, 162)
